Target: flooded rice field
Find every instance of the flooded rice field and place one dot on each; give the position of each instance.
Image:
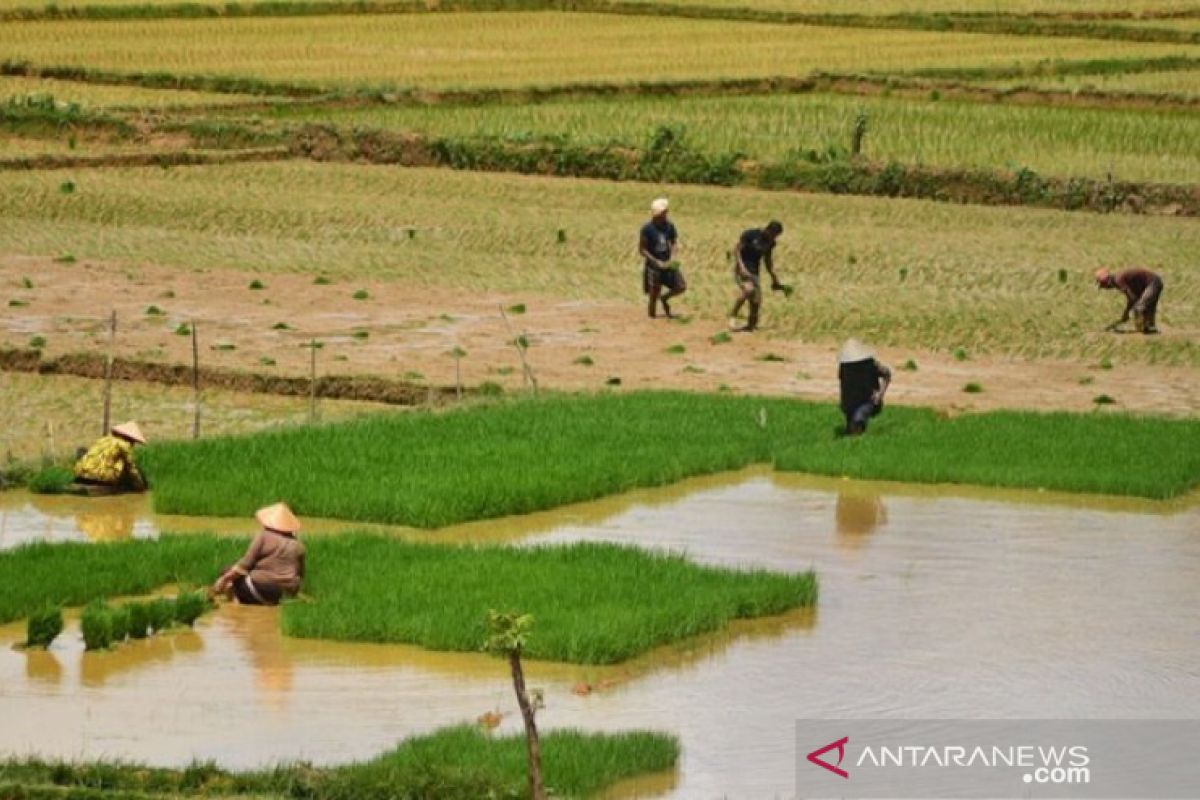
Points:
(935, 602)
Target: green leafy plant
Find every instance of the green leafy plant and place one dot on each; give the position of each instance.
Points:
(584, 360)
(771, 357)
(65, 258)
(960, 354)
(154, 311)
(26, 283)
(282, 326)
(720, 338)
(517, 308)
(361, 294)
(676, 350)
(361, 335)
(507, 636)
(972, 388)
(909, 366)
(183, 329)
(1103, 400)
(37, 342)
(321, 280)
(612, 381)
(266, 361)
(256, 284)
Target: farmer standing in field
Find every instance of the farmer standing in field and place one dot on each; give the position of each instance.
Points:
(110, 461)
(754, 248)
(273, 565)
(656, 245)
(864, 382)
(1141, 288)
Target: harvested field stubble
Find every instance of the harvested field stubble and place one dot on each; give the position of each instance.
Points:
(519, 49)
(431, 470)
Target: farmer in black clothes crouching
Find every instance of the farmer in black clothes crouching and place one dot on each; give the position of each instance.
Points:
(864, 382)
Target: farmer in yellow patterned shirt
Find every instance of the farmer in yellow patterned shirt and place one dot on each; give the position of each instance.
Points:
(110, 461)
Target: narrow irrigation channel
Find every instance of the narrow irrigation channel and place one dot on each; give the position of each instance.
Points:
(935, 602)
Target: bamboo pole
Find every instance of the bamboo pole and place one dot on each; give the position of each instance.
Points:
(108, 366)
(312, 382)
(195, 384)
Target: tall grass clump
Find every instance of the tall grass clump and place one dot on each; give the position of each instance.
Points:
(594, 603)
(435, 469)
(43, 625)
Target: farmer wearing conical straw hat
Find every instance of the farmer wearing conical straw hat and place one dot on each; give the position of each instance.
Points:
(1141, 288)
(110, 461)
(657, 245)
(864, 382)
(273, 565)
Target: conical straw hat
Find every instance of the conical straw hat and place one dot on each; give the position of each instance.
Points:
(853, 351)
(278, 518)
(129, 430)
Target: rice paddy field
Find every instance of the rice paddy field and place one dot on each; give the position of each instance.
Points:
(408, 175)
(1129, 145)
(1185, 83)
(521, 49)
(931, 275)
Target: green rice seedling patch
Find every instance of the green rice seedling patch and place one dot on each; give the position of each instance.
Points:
(458, 763)
(435, 469)
(584, 360)
(44, 624)
(676, 350)
(53, 479)
(972, 388)
(594, 603)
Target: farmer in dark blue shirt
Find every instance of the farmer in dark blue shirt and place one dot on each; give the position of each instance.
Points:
(656, 245)
(753, 251)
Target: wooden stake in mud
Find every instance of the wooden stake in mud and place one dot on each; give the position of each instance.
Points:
(108, 365)
(195, 384)
(50, 440)
(530, 380)
(312, 382)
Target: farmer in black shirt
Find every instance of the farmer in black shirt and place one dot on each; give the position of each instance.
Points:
(753, 249)
(656, 245)
(864, 382)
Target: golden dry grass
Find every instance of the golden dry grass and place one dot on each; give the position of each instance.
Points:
(90, 95)
(1177, 82)
(73, 407)
(898, 272)
(518, 49)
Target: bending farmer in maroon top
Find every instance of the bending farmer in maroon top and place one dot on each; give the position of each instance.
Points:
(1141, 288)
(273, 565)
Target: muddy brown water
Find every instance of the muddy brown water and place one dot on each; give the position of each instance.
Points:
(935, 602)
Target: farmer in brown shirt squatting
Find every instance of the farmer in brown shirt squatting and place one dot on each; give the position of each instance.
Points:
(1141, 288)
(273, 565)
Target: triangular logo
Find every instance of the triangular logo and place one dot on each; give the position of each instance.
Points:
(840, 746)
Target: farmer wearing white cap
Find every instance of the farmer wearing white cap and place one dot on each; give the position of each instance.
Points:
(110, 461)
(273, 565)
(864, 382)
(656, 245)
